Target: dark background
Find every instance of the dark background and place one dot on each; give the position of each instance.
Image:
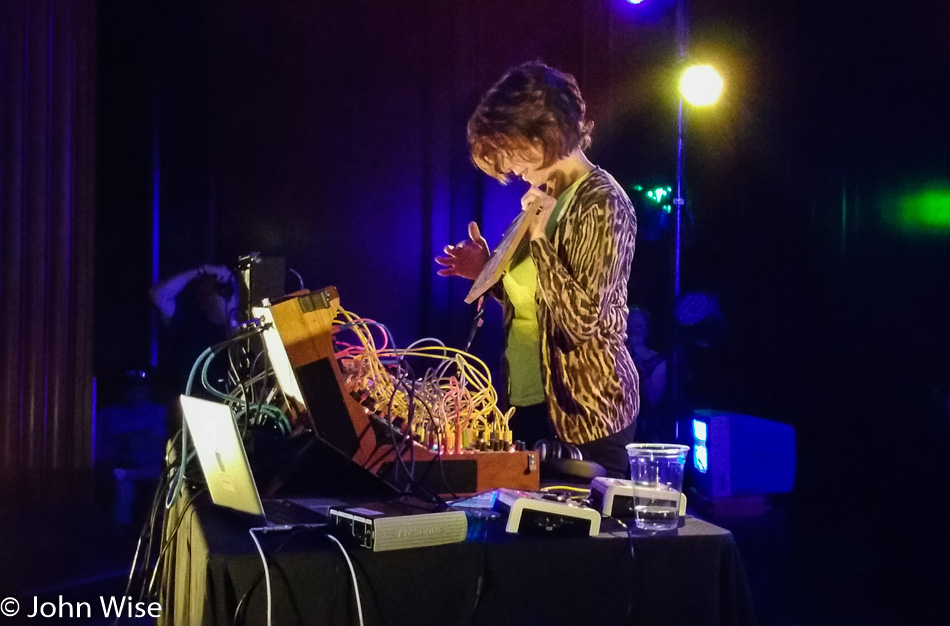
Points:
(333, 134)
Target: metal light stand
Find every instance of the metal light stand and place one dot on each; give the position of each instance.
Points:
(682, 44)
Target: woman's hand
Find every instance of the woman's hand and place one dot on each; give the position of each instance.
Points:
(467, 257)
(539, 206)
(221, 273)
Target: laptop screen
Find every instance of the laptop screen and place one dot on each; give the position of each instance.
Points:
(221, 455)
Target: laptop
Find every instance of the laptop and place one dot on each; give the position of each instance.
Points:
(227, 471)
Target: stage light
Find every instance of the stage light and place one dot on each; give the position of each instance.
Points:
(926, 211)
(693, 308)
(701, 321)
(657, 195)
(701, 85)
(644, 11)
(653, 205)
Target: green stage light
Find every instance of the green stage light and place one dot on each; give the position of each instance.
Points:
(657, 194)
(654, 205)
(701, 85)
(926, 211)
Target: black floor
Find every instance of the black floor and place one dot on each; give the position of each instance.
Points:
(844, 564)
(802, 574)
(63, 555)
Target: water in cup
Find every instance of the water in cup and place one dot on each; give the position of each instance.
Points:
(656, 471)
(656, 509)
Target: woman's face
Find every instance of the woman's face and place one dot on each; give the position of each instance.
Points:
(527, 164)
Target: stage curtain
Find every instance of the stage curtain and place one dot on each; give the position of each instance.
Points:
(47, 215)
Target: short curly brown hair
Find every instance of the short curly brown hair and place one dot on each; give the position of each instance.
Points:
(532, 105)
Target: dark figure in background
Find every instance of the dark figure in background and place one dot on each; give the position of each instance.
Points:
(653, 422)
(198, 309)
(565, 291)
(130, 444)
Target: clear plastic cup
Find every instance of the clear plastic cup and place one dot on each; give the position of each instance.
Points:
(656, 470)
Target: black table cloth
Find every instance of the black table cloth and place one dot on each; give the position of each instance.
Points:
(689, 576)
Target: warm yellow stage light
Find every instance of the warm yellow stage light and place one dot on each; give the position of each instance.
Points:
(701, 85)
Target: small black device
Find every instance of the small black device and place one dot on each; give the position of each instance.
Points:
(560, 459)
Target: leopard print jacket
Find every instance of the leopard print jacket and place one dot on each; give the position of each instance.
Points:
(590, 383)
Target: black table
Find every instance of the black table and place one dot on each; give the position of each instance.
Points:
(690, 576)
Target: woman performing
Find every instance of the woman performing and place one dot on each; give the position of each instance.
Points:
(564, 293)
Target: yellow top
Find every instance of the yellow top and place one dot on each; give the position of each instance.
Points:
(523, 349)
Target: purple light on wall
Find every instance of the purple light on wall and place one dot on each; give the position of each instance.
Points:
(645, 11)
